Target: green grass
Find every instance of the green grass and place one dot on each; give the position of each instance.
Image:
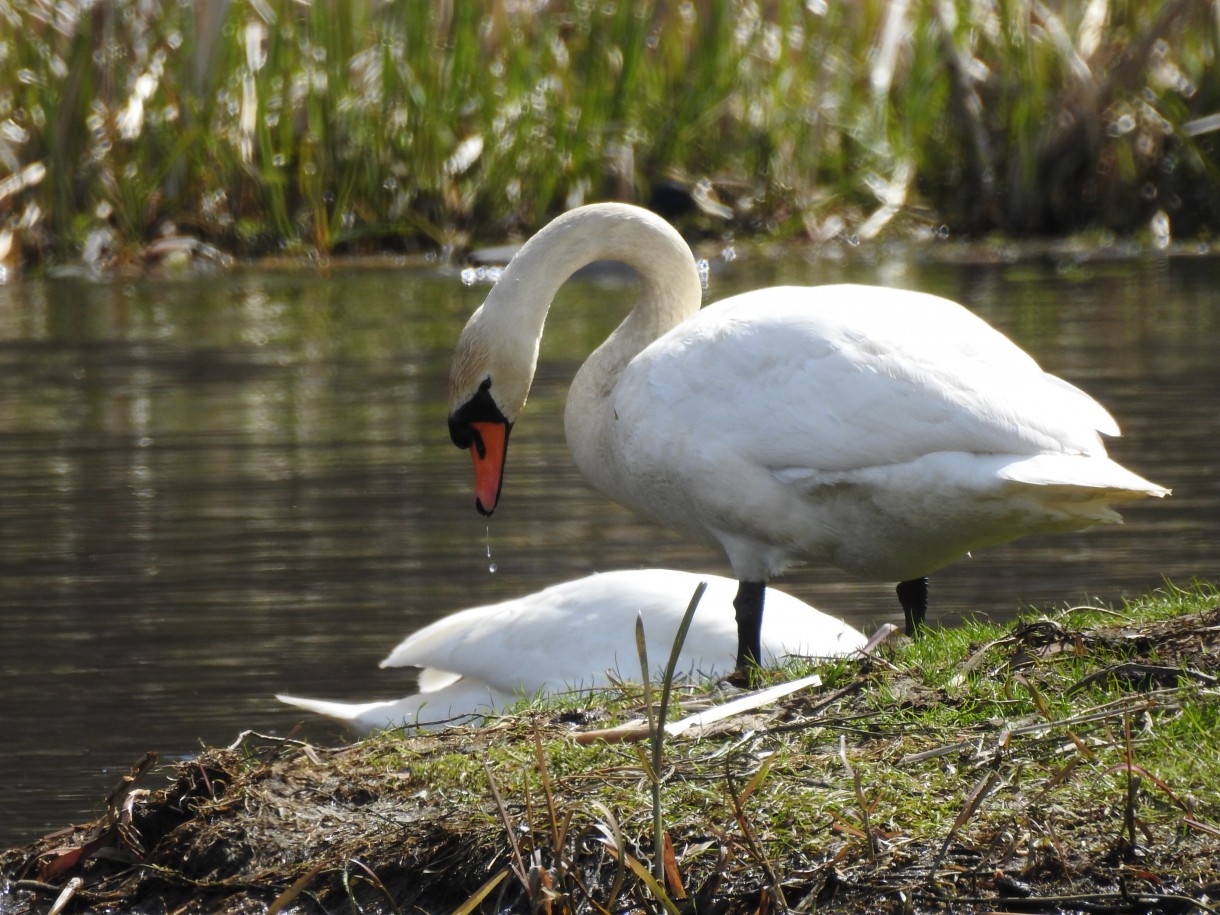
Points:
(943, 771)
(923, 735)
(333, 127)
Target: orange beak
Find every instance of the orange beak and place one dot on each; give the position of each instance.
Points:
(488, 450)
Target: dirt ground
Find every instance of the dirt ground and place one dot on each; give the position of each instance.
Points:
(272, 825)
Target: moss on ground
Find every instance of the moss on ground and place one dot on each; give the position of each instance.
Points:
(1067, 762)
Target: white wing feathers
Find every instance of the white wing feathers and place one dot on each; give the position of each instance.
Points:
(847, 377)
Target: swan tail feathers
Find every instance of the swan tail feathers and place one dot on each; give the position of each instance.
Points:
(1091, 478)
(1079, 490)
(462, 701)
(361, 717)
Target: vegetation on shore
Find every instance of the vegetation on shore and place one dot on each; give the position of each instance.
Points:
(1067, 762)
(133, 130)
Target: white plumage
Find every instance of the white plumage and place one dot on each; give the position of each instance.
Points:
(883, 431)
(575, 636)
(888, 432)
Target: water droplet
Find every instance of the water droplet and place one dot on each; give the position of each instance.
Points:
(491, 567)
(472, 275)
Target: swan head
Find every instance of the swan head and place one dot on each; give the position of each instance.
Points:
(480, 426)
(487, 392)
(497, 352)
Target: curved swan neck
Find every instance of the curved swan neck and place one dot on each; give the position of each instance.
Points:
(516, 309)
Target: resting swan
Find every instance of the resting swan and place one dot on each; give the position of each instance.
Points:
(882, 431)
(573, 635)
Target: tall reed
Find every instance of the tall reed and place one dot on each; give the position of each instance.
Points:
(329, 126)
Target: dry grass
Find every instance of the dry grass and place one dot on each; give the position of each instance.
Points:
(1067, 763)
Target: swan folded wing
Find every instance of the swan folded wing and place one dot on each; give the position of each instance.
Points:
(432, 645)
(834, 386)
(566, 636)
(462, 641)
(792, 628)
(569, 636)
(487, 643)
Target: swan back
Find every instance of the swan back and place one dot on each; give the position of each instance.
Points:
(580, 635)
(880, 375)
(576, 634)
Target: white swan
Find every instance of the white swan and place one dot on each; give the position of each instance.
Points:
(885, 432)
(575, 635)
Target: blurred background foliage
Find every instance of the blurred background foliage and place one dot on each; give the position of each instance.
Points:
(133, 128)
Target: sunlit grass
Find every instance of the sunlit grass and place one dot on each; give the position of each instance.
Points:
(968, 739)
(329, 127)
(948, 771)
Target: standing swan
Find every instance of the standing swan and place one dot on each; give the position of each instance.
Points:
(883, 431)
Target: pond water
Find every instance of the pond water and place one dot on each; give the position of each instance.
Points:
(213, 489)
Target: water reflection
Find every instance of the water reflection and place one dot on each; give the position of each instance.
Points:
(214, 490)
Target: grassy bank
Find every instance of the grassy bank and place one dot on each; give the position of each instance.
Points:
(1067, 762)
(256, 126)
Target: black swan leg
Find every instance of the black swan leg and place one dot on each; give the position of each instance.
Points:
(749, 606)
(913, 595)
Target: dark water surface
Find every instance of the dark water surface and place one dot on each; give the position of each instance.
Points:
(218, 488)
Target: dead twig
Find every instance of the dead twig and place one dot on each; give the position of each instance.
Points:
(1153, 674)
(973, 801)
(518, 861)
(874, 846)
(756, 850)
